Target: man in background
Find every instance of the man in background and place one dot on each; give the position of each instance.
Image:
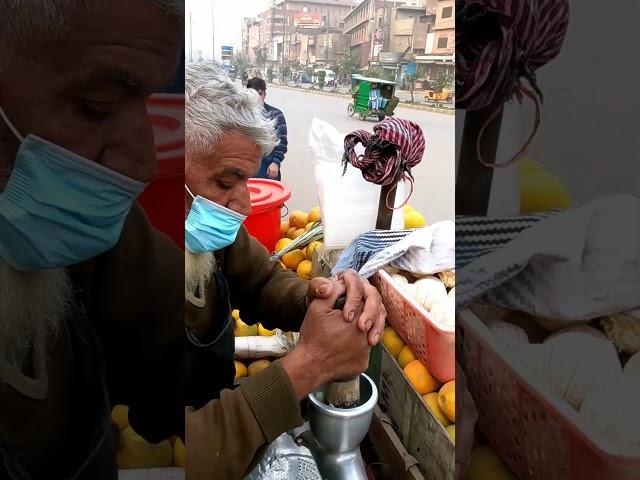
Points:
(270, 165)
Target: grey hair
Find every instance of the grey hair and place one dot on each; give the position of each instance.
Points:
(23, 22)
(215, 105)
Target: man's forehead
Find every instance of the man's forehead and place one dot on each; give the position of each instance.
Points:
(137, 46)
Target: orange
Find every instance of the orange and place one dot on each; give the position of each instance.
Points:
(298, 219)
(298, 232)
(257, 366)
(314, 214)
(392, 341)
(308, 226)
(406, 356)
(312, 247)
(304, 269)
(241, 370)
(447, 400)
(283, 242)
(292, 259)
(284, 228)
(179, 455)
(420, 378)
(431, 399)
(283, 265)
(451, 431)
(120, 415)
(291, 231)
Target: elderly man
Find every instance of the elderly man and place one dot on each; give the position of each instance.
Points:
(227, 134)
(91, 312)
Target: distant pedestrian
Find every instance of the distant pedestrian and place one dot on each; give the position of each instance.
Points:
(270, 166)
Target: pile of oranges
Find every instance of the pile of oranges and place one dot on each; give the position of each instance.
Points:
(439, 399)
(298, 260)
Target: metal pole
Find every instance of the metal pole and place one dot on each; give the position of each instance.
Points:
(213, 28)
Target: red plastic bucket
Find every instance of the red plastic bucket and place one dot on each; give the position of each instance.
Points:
(267, 199)
(162, 199)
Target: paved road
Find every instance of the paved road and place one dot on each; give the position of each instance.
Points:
(403, 95)
(434, 192)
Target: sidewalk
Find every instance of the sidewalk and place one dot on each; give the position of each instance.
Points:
(403, 95)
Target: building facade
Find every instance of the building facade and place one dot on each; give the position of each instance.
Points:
(439, 54)
(444, 39)
(251, 34)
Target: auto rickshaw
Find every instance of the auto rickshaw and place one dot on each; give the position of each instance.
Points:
(372, 97)
(445, 96)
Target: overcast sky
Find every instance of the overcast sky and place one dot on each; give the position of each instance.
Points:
(227, 16)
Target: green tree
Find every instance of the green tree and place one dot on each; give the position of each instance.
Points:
(261, 57)
(286, 72)
(240, 62)
(321, 75)
(411, 79)
(442, 81)
(345, 67)
(374, 72)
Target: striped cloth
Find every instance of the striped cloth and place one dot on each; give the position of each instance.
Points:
(498, 42)
(421, 251)
(568, 265)
(395, 146)
(477, 236)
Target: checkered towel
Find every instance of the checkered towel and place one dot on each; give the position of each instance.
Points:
(423, 251)
(572, 265)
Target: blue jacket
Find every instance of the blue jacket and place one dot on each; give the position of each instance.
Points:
(277, 155)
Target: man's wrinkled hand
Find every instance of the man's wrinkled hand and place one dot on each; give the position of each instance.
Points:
(362, 299)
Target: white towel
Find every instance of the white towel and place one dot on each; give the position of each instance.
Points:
(575, 265)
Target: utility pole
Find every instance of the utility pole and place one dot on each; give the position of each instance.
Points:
(213, 28)
(284, 33)
(273, 8)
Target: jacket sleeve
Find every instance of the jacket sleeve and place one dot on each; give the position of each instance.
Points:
(262, 290)
(227, 437)
(277, 155)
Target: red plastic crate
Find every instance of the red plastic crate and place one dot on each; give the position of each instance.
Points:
(539, 435)
(432, 344)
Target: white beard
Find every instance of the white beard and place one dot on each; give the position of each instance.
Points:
(198, 268)
(33, 305)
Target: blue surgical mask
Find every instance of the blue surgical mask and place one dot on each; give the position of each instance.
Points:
(210, 227)
(58, 208)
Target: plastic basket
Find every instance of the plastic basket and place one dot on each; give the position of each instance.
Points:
(537, 433)
(432, 344)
